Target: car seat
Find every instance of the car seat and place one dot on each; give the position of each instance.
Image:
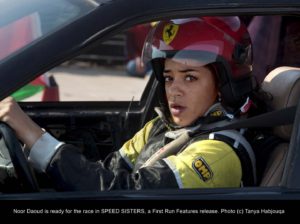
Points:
(283, 83)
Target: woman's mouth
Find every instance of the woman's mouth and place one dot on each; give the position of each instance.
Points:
(176, 109)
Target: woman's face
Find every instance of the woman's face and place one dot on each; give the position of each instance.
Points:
(190, 90)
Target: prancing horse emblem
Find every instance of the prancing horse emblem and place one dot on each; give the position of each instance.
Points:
(170, 32)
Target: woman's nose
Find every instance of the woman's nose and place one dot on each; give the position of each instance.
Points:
(176, 88)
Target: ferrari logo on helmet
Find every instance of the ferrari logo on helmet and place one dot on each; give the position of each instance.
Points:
(170, 32)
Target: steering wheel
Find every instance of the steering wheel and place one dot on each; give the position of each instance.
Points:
(24, 173)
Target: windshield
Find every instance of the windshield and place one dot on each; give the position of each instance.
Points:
(24, 21)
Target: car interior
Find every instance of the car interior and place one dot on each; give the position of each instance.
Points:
(99, 128)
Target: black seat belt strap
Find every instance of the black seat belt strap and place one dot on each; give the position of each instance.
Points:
(271, 119)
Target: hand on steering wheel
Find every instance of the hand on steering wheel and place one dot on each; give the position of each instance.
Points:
(22, 168)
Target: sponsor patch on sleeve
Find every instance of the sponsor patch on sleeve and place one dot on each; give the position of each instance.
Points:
(202, 169)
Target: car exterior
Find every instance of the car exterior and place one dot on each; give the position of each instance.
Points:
(98, 20)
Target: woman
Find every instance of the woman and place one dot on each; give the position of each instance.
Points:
(204, 68)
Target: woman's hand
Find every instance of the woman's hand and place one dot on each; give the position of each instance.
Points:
(26, 129)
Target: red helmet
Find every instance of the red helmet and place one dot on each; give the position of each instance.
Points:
(223, 42)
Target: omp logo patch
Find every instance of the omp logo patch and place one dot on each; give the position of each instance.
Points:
(170, 32)
(202, 169)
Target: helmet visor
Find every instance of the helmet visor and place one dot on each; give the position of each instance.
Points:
(187, 57)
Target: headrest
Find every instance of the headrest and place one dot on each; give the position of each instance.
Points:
(283, 83)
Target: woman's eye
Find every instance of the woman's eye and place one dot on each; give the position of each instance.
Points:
(168, 78)
(190, 78)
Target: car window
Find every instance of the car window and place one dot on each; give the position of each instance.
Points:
(110, 71)
(24, 21)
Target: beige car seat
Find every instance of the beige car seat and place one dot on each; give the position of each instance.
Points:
(284, 85)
